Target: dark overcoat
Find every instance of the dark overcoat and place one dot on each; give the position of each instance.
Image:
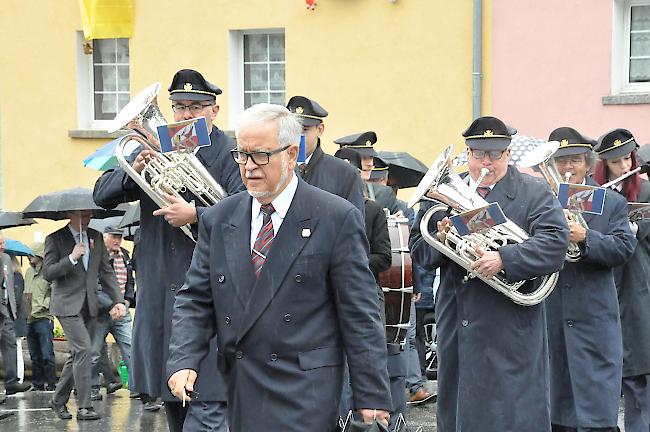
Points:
(282, 337)
(164, 255)
(584, 327)
(493, 353)
(633, 285)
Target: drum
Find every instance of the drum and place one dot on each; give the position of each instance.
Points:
(397, 282)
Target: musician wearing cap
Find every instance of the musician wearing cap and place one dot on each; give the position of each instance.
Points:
(320, 169)
(584, 330)
(618, 155)
(164, 255)
(492, 352)
(362, 143)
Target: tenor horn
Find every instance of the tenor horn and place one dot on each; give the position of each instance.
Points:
(442, 185)
(172, 173)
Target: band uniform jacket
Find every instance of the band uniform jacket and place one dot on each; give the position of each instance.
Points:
(72, 284)
(164, 255)
(493, 353)
(633, 286)
(282, 337)
(377, 233)
(584, 328)
(336, 176)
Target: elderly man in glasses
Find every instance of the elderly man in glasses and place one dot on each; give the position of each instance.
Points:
(493, 353)
(164, 254)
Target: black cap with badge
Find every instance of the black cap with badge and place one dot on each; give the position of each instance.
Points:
(113, 230)
(362, 143)
(379, 170)
(488, 133)
(189, 84)
(308, 111)
(571, 141)
(615, 144)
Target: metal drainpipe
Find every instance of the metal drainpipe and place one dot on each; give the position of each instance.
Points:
(477, 57)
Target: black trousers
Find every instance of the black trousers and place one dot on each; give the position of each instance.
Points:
(175, 412)
(559, 428)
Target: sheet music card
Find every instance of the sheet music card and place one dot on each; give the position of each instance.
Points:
(478, 220)
(184, 136)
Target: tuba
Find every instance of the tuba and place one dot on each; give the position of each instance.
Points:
(548, 169)
(171, 173)
(447, 188)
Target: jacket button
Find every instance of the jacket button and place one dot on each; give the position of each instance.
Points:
(298, 278)
(570, 323)
(222, 278)
(227, 320)
(173, 287)
(172, 246)
(464, 323)
(287, 317)
(239, 354)
(274, 357)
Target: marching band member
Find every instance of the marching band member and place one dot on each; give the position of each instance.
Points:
(617, 153)
(493, 355)
(584, 329)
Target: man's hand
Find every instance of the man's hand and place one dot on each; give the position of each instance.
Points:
(117, 312)
(182, 381)
(488, 264)
(577, 233)
(370, 415)
(142, 159)
(178, 213)
(78, 251)
(416, 297)
(443, 228)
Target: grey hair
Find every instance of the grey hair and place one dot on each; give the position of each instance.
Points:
(590, 158)
(289, 128)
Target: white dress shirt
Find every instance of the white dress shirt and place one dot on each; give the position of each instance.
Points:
(281, 205)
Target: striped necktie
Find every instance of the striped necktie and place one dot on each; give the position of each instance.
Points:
(483, 191)
(264, 239)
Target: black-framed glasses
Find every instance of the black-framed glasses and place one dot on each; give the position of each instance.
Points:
(259, 157)
(574, 160)
(195, 108)
(492, 154)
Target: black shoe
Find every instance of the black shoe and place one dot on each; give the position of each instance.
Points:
(95, 395)
(87, 414)
(50, 387)
(36, 387)
(4, 415)
(113, 387)
(18, 388)
(60, 410)
(152, 406)
(134, 395)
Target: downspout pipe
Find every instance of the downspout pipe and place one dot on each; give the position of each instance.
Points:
(477, 57)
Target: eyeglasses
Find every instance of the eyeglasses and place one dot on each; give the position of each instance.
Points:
(492, 154)
(194, 108)
(259, 158)
(575, 160)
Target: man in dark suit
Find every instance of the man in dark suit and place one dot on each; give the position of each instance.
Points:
(164, 254)
(283, 281)
(320, 169)
(493, 353)
(75, 259)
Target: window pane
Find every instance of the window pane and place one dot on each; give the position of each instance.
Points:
(255, 49)
(277, 76)
(276, 47)
(122, 100)
(105, 78)
(251, 99)
(256, 77)
(104, 51)
(640, 18)
(277, 98)
(105, 108)
(122, 50)
(640, 70)
(123, 78)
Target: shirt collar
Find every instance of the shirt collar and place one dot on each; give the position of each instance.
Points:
(281, 202)
(472, 184)
(74, 232)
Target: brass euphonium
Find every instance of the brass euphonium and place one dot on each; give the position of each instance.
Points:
(171, 173)
(447, 188)
(548, 169)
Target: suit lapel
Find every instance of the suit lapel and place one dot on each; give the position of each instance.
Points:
(236, 236)
(287, 246)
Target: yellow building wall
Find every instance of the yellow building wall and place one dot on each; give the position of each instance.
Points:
(401, 69)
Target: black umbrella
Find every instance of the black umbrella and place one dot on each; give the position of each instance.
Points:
(403, 169)
(9, 219)
(113, 221)
(131, 218)
(55, 205)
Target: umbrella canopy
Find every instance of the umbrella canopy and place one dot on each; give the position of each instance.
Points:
(16, 248)
(55, 205)
(404, 169)
(104, 157)
(9, 219)
(519, 147)
(131, 218)
(114, 221)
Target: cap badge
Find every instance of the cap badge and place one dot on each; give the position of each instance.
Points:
(300, 110)
(368, 143)
(564, 143)
(488, 133)
(187, 87)
(617, 143)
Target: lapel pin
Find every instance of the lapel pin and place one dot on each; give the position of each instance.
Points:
(306, 232)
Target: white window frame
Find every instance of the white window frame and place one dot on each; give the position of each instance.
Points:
(621, 49)
(236, 70)
(85, 90)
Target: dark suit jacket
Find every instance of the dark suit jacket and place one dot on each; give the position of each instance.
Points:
(7, 268)
(72, 284)
(129, 289)
(377, 232)
(282, 337)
